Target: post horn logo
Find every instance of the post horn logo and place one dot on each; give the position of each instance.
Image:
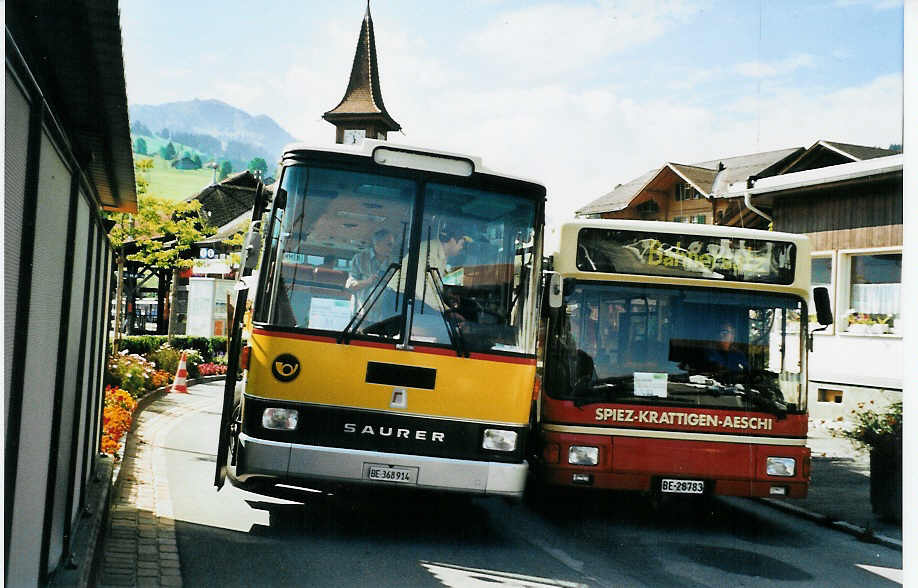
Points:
(285, 367)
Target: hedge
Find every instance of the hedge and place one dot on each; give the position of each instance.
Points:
(146, 344)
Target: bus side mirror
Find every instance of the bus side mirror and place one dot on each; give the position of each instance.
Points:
(555, 291)
(250, 248)
(823, 308)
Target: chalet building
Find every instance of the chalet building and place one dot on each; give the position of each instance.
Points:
(201, 291)
(185, 163)
(67, 159)
(690, 193)
(852, 212)
(848, 200)
(699, 192)
(361, 113)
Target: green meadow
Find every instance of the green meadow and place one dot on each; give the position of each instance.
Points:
(175, 184)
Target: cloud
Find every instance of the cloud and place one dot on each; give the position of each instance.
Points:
(763, 69)
(542, 41)
(581, 143)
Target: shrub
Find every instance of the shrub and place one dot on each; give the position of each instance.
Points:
(147, 344)
(161, 378)
(131, 372)
(211, 369)
(192, 360)
(166, 358)
(116, 418)
(877, 430)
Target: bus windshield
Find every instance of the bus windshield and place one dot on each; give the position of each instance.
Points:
(351, 255)
(693, 347)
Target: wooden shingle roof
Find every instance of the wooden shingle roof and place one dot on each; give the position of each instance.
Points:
(363, 98)
(225, 201)
(827, 153)
(711, 178)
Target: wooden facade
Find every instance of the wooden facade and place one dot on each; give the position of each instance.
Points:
(858, 216)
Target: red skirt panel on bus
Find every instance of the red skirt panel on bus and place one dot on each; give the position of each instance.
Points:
(637, 463)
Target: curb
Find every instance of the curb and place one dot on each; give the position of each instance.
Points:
(89, 565)
(863, 534)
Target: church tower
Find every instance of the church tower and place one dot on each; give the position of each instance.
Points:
(361, 113)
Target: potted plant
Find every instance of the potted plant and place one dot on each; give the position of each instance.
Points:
(881, 434)
(881, 325)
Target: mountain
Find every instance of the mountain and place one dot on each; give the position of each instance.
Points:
(212, 127)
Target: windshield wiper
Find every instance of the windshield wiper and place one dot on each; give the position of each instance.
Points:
(455, 332)
(602, 389)
(755, 396)
(375, 292)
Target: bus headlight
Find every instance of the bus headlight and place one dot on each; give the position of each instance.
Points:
(583, 455)
(283, 419)
(780, 466)
(499, 440)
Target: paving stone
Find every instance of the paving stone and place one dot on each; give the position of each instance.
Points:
(118, 579)
(121, 546)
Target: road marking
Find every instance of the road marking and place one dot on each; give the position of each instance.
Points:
(460, 576)
(888, 573)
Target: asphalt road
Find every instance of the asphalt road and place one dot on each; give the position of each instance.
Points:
(235, 538)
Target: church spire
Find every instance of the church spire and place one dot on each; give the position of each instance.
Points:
(361, 113)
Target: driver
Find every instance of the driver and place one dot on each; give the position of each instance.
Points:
(726, 356)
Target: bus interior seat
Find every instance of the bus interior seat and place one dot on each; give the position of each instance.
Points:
(330, 278)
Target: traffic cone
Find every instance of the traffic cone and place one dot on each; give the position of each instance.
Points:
(181, 374)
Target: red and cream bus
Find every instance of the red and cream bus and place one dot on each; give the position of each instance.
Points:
(675, 360)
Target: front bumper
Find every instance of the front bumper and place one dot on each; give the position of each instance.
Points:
(276, 462)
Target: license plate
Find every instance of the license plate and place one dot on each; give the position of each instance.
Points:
(389, 473)
(682, 486)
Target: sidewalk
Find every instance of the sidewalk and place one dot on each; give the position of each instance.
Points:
(839, 492)
(139, 546)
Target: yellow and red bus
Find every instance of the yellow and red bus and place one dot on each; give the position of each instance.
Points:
(675, 360)
(393, 327)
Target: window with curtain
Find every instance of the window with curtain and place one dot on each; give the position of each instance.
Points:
(874, 293)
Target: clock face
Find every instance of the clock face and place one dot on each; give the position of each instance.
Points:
(354, 136)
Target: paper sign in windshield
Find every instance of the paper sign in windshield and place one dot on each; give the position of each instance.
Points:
(650, 384)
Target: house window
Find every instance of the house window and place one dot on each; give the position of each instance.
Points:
(874, 288)
(685, 191)
(821, 275)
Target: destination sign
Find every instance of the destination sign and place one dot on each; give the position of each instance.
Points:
(684, 419)
(685, 256)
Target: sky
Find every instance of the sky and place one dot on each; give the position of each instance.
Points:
(579, 95)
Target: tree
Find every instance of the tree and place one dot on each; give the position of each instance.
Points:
(197, 161)
(142, 166)
(164, 133)
(140, 146)
(258, 164)
(157, 235)
(168, 152)
(225, 170)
